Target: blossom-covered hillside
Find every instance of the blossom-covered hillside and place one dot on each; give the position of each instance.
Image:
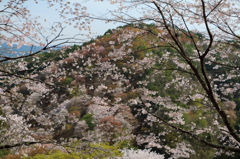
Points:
(111, 94)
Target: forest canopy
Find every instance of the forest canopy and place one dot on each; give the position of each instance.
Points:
(153, 86)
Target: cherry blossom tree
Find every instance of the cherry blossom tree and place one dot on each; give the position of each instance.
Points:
(173, 83)
(205, 76)
(19, 27)
(130, 153)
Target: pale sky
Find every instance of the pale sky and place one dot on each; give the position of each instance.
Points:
(98, 27)
(43, 10)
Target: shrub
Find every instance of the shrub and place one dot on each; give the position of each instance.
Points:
(102, 150)
(89, 120)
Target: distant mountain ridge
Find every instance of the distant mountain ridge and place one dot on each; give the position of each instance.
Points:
(5, 50)
(14, 51)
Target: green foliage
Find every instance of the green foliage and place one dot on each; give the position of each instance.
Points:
(109, 31)
(140, 55)
(87, 43)
(101, 150)
(202, 151)
(58, 155)
(72, 48)
(126, 144)
(193, 116)
(172, 138)
(30, 152)
(89, 120)
(74, 108)
(76, 91)
(3, 127)
(4, 152)
(68, 80)
(53, 55)
(1, 112)
(104, 150)
(237, 101)
(67, 132)
(132, 95)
